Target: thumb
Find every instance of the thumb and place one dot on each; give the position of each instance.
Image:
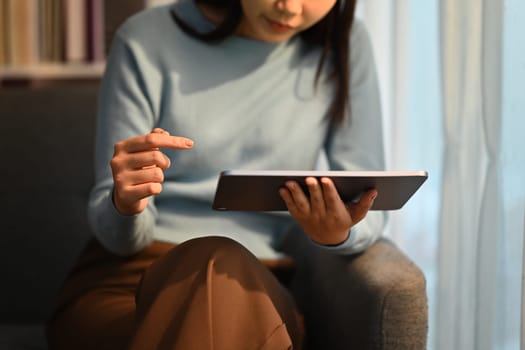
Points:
(159, 131)
(359, 210)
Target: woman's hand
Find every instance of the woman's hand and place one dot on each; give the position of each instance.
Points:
(324, 217)
(138, 168)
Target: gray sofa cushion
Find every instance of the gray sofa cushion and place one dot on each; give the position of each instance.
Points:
(22, 337)
(46, 148)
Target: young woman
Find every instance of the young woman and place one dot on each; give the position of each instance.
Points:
(191, 89)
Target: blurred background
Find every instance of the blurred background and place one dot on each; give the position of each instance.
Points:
(450, 74)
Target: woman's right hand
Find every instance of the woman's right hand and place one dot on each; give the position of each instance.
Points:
(138, 167)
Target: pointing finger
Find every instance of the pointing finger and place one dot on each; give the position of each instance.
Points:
(152, 141)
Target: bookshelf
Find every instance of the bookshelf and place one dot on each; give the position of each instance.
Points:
(58, 40)
(53, 70)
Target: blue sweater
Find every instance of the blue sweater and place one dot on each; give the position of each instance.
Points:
(247, 105)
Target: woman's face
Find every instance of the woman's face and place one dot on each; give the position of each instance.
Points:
(279, 20)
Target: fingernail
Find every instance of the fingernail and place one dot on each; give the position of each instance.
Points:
(311, 181)
(189, 143)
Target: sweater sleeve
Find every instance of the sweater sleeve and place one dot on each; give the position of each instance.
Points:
(125, 109)
(357, 144)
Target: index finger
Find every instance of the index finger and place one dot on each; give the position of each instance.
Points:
(155, 140)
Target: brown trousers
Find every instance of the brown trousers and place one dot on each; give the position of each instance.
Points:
(207, 293)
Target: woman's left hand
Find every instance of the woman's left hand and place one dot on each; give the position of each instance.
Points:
(325, 218)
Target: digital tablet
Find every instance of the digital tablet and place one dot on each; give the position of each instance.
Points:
(259, 190)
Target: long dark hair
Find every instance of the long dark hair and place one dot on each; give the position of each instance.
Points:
(332, 34)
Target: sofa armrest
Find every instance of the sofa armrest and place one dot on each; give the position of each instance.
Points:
(394, 289)
(373, 300)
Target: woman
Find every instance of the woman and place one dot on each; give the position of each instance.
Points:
(191, 89)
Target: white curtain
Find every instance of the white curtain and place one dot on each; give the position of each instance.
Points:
(483, 67)
(452, 75)
(471, 204)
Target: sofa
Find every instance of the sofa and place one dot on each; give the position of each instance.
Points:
(46, 142)
(46, 150)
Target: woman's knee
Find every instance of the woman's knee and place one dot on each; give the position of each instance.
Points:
(200, 251)
(194, 258)
(215, 244)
